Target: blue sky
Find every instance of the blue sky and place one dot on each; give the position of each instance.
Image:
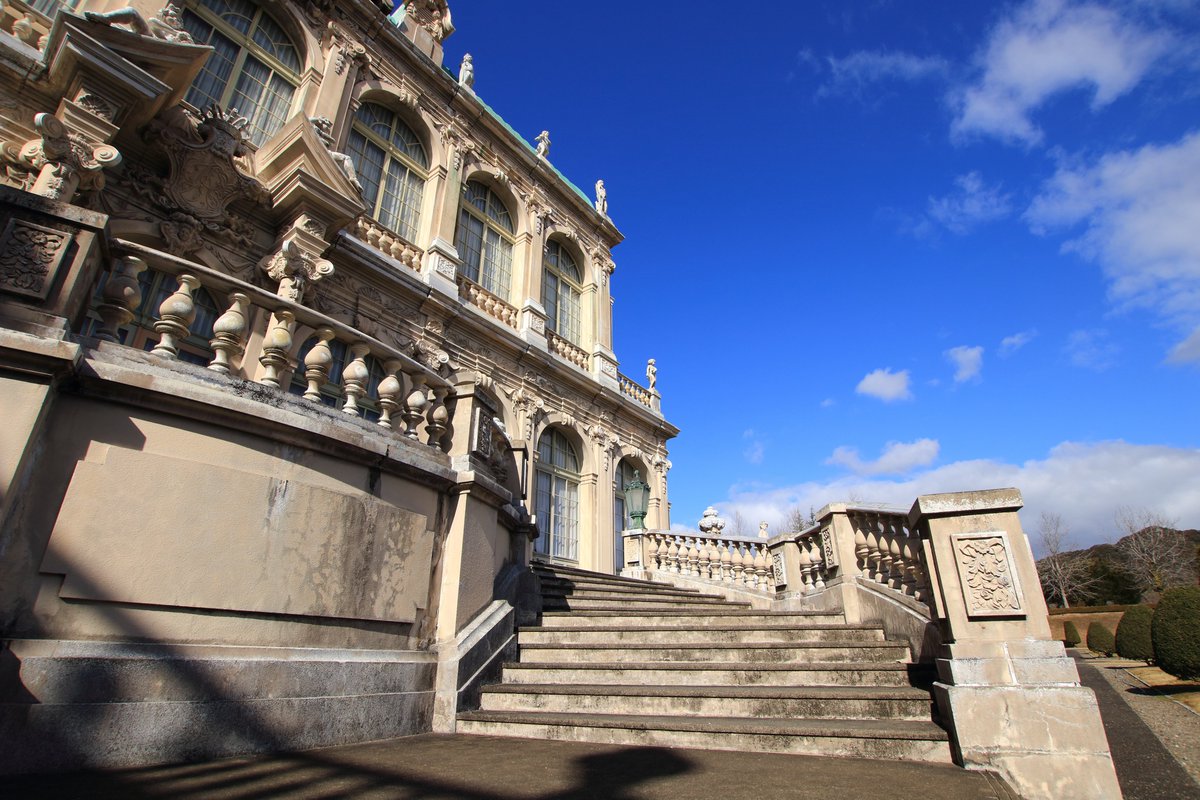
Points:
(887, 248)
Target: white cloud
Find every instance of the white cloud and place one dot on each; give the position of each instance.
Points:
(828, 402)
(1046, 47)
(1091, 349)
(1139, 211)
(1084, 482)
(1011, 344)
(971, 204)
(755, 450)
(967, 361)
(898, 458)
(851, 75)
(885, 385)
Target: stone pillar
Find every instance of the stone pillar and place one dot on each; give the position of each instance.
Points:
(1008, 691)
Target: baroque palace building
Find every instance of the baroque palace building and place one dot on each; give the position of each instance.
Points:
(305, 353)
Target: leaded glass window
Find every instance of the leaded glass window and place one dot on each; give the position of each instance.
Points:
(561, 278)
(484, 239)
(254, 67)
(391, 164)
(556, 498)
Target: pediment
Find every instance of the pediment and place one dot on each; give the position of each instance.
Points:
(301, 174)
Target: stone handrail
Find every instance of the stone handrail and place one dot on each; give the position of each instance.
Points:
(631, 388)
(722, 560)
(28, 21)
(567, 350)
(888, 551)
(489, 303)
(409, 389)
(388, 242)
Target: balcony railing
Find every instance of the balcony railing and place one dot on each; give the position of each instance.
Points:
(389, 243)
(487, 302)
(576, 355)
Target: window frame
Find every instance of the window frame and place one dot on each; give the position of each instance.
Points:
(505, 235)
(552, 296)
(558, 541)
(392, 154)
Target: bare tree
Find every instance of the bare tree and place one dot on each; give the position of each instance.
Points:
(1063, 573)
(737, 525)
(797, 520)
(1157, 555)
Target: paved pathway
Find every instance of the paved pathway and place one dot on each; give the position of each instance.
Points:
(486, 768)
(1145, 770)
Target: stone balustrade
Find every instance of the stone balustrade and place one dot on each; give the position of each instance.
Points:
(389, 243)
(27, 21)
(633, 389)
(815, 560)
(489, 303)
(408, 395)
(564, 348)
(723, 560)
(888, 551)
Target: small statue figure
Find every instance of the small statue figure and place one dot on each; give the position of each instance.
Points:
(601, 198)
(324, 128)
(168, 25)
(651, 374)
(466, 72)
(543, 144)
(762, 530)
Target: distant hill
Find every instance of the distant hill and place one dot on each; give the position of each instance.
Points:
(1111, 580)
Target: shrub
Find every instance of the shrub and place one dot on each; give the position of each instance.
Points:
(1100, 639)
(1133, 634)
(1070, 634)
(1175, 632)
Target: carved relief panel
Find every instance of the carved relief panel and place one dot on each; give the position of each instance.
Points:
(987, 573)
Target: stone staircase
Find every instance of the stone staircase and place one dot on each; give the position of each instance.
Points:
(624, 661)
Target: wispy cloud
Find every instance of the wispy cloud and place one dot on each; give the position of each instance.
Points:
(854, 75)
(967, 361)
(1091, 349)
(1050, 46)
(970, 204)
(1011, 344)
(1138, 211)
(898, 458)
(885, 385)
(1084, 482)
(755, 449)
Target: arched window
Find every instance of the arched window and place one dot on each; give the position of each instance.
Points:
(484, 239)
(561, 279)
(391, 164)
(621, 521)
(254, 67)
(557, 496)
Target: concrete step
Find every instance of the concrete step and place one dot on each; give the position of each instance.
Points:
(712, 634)
(682, 617)
(693, 652)
(634, 673)
(888, 739)
(618, 603)
(630, 595)
(573, 587)
(786, 702)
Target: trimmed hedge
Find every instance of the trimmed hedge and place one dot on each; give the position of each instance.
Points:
(1175, 630)
(1070, 634)
(1054, 612)
(1100, 639)
(1133, 634)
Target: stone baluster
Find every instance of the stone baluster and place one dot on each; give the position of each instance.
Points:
(760, 566)
(861, 551)
(438, 418)
(673, 555)
(818, 562)
(694, 556)
(874, 542)
(277, 346)
(415, 405)
(389, 392)
(896, 580)
(229, 334)
(652, 551)
(735, 562)
(725, 562)
(317, 363)
(910, 567)
(120, 298)
(175, 317)
(704, 561)
(355, 377)
(805, 564)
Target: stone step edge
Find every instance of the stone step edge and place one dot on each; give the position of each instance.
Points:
(644, 597)
(720, 666)
(727, 692)
(818, 627)
(844, 645)
(545, 578)
(909, 730)
(749, 612)
(635, 590)
(567, 572)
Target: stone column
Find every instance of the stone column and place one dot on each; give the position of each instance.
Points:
(1008, 691)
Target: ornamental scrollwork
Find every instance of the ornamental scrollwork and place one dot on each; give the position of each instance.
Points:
(986, 572)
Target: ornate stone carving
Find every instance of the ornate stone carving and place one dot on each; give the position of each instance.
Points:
(466, 72)
(432, 15)
(168, 25)
(780, 568)
(710, 523)
(608, 368)
(204, 177)
(651, 375)
(985, 570)
(95, 104)
(828, 551)
(296, 270)
(324, 129)
(601, 198)
(29, 256)
(543, 144)
(59, 163)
